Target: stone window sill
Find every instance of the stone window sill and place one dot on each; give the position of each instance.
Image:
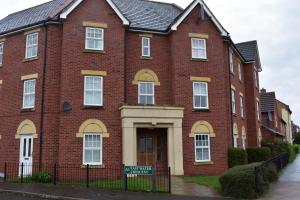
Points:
(93, 166)
(93, 108)
(30, 59)
(24, 110)
(199, 59)
(201, 110)
(204, 163)
(94, 51)
(146, 58)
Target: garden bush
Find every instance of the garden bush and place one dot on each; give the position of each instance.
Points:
(297, 138)
(237, 157)
(239, 182)
(41, 177)
(270, 173)
(258, 154)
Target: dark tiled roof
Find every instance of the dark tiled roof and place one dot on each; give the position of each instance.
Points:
(248, 50)
(267, 102)
(148, 15)
(31, 16)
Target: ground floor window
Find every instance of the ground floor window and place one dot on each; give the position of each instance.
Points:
(202, 147)
(92, 149)
(235, 143)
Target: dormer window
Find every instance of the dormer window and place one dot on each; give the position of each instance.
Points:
(198, 48)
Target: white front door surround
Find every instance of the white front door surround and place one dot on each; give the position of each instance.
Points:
(26, 145)
(134, 117)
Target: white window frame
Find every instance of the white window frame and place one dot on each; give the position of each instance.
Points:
(146, 47)
(1, 52)
(139, 94)
(233, 101)
(93, 148)
(242, 106)
(244, 138)
(28, 94)
(85, 89)
(202, 147)
(235, 141)
(101, 48)
(258, 110)
(36, 45)
(240, 71)
(256, 77)
(200, 95)
(231, 62)
(199, 48)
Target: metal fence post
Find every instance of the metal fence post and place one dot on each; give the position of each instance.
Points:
(124, 179)
(54, 174)
(170, 182)
(5, 172)
(22, 169)
(87, 176)
(153, 179)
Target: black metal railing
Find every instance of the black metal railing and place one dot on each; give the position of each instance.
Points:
(108, 177)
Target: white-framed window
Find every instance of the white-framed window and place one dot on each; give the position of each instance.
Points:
(244, 138)
(146, 93)
(240, 71)
(275, 119)
(93, 91)
(92, 149)
(1, 52)
(146, 48)
(235, 142)
(242, 106)
(255, 78)
(258, 110)
(199, 48)
(200, 93)
(32, 41)
(29, 94)
(233, 102)
(94, 38)
(231, 62)
(202, 148)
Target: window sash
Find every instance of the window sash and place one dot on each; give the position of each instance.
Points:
(146, 50)
(240, 71)
(91, 93)
(145, 94)
(92, 149)
(202, 143)
(94, 36)
(199, 48)
(29, 94)
(233, 101)
(200, 94)
(235, 142)
(242, 106)
(231, 62)
(258, 110)
(32, 45)
(1, 52)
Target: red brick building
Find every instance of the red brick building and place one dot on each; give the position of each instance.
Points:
(129, 82)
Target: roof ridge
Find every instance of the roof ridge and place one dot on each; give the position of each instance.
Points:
(167, 3)
(246, 42)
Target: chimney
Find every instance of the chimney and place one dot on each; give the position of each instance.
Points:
(263, 91)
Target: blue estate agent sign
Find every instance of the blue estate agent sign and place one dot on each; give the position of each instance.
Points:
(139, 170)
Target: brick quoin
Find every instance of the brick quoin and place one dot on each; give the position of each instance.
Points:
(170, 60)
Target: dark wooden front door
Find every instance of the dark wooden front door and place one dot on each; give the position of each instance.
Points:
(152, 148)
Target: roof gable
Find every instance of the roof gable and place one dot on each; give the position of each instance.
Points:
(249, 51)
(190, 8)
(267, 101)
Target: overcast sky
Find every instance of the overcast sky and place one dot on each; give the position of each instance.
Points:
(274, 23)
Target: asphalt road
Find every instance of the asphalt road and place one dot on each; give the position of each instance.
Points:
(6, 196)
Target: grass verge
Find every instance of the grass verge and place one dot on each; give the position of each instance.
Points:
(208, 181)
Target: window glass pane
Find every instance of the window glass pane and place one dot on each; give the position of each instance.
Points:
(199, 155)
(149, 100)
(149, 145)
(142, 145)
(96, 156)
(203, 101)
(88, 156)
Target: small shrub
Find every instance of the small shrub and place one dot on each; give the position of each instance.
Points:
(41, 177)
(237, 157)
(258, 154)
(239, 182)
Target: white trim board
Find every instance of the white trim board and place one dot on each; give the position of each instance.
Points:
(65, 13)
(206, 9)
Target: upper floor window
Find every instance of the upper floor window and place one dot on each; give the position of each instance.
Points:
(92, 149)
(29, 94)
(235, 141)
(1, 52)
(32, 45)
(146, 93)
(242, 106)
(200, 93)
(199, 48)
(231, 62)
(94, 39)
(202, 147)
(240, 71)
(233, 102)
(146, 51)
(256, 78)
(258, 110)
(93, 91)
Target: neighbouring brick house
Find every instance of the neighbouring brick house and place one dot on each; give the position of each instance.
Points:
(276, 118)
(134, 82)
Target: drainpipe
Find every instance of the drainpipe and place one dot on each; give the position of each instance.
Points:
(125, 71)
(43, 95)
(230, 94)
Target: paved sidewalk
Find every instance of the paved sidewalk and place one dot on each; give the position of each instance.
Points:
(288, 186)
(69, 193)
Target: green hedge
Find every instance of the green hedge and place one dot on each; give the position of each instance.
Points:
(258, 154)
(239, 182)
(237, 157)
